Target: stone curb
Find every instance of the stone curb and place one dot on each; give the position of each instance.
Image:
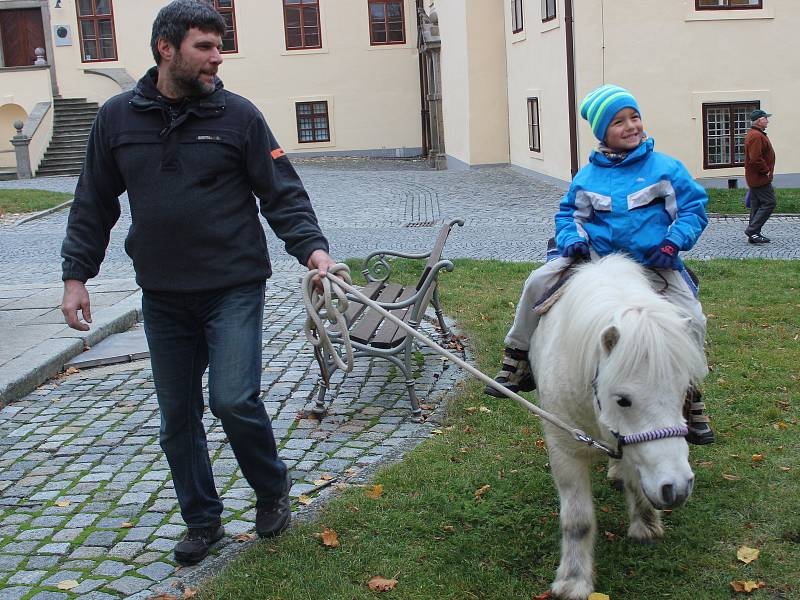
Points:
(43, 213)
(26, 372)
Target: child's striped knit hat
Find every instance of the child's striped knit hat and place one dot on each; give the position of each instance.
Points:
(600, 106)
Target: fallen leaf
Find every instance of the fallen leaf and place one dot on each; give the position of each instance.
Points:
(611, 536)
(599, 596)
(380, 584)
(758, 457)
(747, 555)
(604, 509)
(67, 584)
(437, 431)
(304, 500)
(747, 586)
(706, 464)
(730, 477)
(780, 425)
(481, 491)
(426, 407)
(330, 538)
(164, 596)
(448, 528)
(483, 409)
(540, 443)
(786, 468)
(244, 537)
(71, 371)
(375, 492)
(63, 503)
(326, 477)
(189, 592)
(544, 596)
(126, 525)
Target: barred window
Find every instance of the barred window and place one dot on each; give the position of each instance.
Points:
(96, 29)
(516, 16)
(727, 4)
(548, 10)
(312, 122)
(724, 129)
(301, 24)
(534, 134)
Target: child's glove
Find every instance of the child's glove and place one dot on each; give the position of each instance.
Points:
(576, 250)
(664, 256)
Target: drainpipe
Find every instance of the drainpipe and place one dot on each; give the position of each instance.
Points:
(571, 99)
(423, 101)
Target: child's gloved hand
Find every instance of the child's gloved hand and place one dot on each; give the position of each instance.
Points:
(664, 256)
(576, 250)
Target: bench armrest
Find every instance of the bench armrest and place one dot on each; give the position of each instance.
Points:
(422, 290)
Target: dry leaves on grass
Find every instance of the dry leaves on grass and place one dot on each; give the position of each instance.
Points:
(599, 596)
(330, 538)
(374, 492)
(481, 491)
(126, 525)
(747, 587)
(304, 500)
(381, 584)
(730, 477)
(747, 555)
(544, 596)
(189, 592)
(244, 537)
(71, 371)
(63, 503)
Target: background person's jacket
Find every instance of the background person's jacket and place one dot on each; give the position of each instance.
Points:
(759, 158)
(632, 205)
(191, 170)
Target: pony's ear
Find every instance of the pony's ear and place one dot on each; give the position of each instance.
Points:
(609, 338)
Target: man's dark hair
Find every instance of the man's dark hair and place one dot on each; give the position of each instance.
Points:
(178, 17)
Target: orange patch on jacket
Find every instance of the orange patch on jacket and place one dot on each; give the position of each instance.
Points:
(278, 152)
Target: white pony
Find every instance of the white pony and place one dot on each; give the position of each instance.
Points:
(614, 358)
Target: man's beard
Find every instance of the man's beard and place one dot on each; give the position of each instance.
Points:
(187, 80)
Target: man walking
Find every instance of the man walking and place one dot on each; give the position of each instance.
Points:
(191, 156)
(759, 168)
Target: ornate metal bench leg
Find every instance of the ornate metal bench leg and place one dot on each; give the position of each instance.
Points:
(320, 409)
(416, 411)
(439, 314)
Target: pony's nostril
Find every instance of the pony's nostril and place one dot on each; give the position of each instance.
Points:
(668, 494)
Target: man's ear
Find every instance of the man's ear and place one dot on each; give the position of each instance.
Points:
(166, 49)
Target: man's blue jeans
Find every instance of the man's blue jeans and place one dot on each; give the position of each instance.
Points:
(221, 330)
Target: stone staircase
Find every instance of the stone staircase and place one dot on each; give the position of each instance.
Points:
(72, 122)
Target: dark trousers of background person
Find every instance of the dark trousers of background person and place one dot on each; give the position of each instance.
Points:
(762, 203)
(219, 330)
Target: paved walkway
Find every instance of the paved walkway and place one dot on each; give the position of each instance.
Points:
(85, 494)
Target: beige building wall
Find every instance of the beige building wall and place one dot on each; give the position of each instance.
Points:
(372, 91)
(536, 58)
(20, 90)
(474, 92)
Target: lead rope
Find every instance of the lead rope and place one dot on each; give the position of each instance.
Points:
(331, 305)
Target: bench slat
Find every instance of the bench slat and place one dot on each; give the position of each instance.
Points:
(371, 291)
(370, 319)
(390, 334)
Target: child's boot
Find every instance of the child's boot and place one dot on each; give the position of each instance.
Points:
(700, 432)
(515, 375)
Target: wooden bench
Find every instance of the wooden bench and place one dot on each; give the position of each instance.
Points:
(371, 334)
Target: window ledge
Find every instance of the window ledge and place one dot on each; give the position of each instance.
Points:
(534, 154)
(303, 52)
(405, 46)
(518, 37)
(550, 25)
(299, 147)
(750, 14)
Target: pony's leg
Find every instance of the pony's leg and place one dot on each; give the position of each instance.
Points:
(615, 474)
(645, 520)
(574, 577)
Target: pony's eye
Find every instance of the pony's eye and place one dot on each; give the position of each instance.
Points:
(624, 401)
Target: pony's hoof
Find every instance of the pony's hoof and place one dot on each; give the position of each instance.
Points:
(643, 533)
(571, 589)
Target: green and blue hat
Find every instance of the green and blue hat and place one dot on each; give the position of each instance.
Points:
(600, 106)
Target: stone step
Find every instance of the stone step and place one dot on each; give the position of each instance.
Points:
(59, 171)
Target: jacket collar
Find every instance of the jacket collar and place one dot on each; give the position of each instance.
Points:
(635, 155)
(146, 96)
(757, 128)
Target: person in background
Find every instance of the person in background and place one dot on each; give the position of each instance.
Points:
(759, 169)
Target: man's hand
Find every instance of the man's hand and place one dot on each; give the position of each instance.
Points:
(76, 298)
(321, 261)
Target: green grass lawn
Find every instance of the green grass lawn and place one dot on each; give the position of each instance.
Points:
(24, 201)
(428, 531)
(731, 202)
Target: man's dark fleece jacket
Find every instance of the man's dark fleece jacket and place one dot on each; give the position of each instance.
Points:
(191, 170)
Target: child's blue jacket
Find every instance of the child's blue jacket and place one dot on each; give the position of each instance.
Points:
(632, 205)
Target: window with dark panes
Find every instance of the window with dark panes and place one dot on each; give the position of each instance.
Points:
(312, 122)
(516, 16)
(727, 4)
(548, 10)
(229, 41)
(301, 21)
(534, 135)
(96, 28)
(724, 129)
(386, 22)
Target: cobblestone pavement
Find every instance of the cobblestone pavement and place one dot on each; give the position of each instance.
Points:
(85, 492)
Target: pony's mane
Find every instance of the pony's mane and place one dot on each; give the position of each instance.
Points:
(654, 337)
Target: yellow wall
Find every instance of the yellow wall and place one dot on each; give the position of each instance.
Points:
(372, 92)
(9, 113)
(20, 91)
